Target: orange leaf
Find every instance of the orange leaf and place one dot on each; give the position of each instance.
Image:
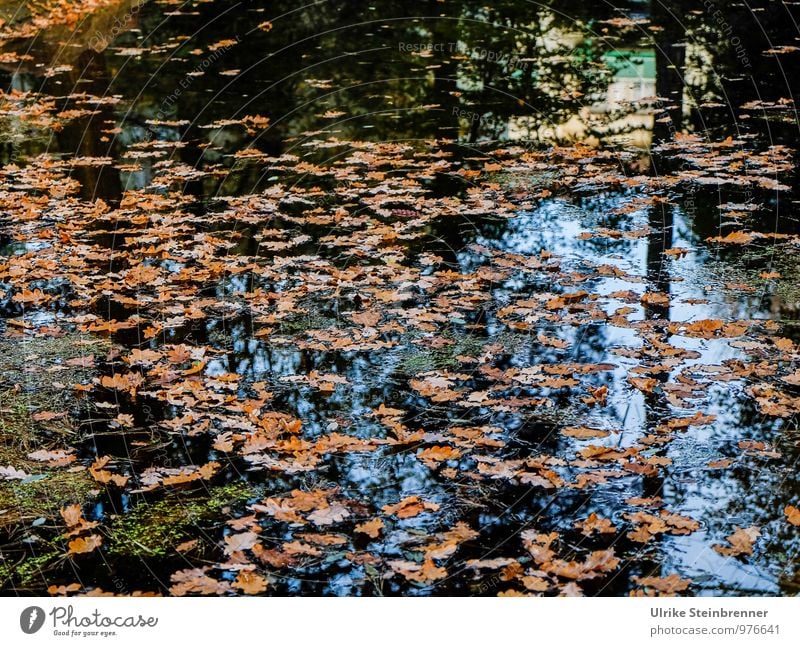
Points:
(410, 507)
(741, 542)
(371, 528)
(72, 515)
(85, 545)
(792, 514)
(250, 582)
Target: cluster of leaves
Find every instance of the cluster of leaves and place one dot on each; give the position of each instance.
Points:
(33, 17)
(168, 273)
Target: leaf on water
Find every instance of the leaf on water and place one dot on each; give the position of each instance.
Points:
(594, 523)
(646, 384)
(648, 525)
(72, 515)
(250, 583)
(85, 545)
(792, 515)
(656, 299)
(187, 546)
(426, 573)
(722, 463)
(583, 433)
(197, 581)
(240, 542)
(489, 564)
(734, 237)
(371, 528)
(667, 585)
(63, 590)
(329, 515)
(596, 564)
(410, 507)
(104, 476)
(435, 455)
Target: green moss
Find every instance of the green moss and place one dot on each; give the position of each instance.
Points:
(33, 378)
(302, 322)
(154, 529)
(30, 372)
(30, 568)
(33, 566)
(443, 358)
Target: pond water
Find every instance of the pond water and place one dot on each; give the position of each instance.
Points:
(482, 254)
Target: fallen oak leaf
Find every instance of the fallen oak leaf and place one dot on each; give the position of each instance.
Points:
(722, 463)
(668, 584)
(280, 510)
(197, 367)
(410, 507)
(792, 515)
(72, 515)
(594, 523)
(85, 545)
(187, 546)
(741, 542)
(656, 299)
(435, 455)
(761, 449)
(47, 416)
(596, 564)
(582, 432)
(424, 573)
(63, 590)
(240, 542)
(103, 476)
(371, 528)
(329, 515)
(250, 582)
(645, 384)
(734, 237)
(196, 581)
(53, 458)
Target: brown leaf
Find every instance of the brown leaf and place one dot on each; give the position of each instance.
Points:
(329, 515)
(734, 237)
(371, 528)
(581, 432)
(196, 581)
(250, 582)
(410, 507)
(53, 458)
(187, 546)
(239, 542)
(105, 477)
(72, 515)
(46, 416)
(424, 574)
(593, 523)
(668, 585)
(85, 545)
(433, 456)
(741, 542)
(792, 514)
(722, 463)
